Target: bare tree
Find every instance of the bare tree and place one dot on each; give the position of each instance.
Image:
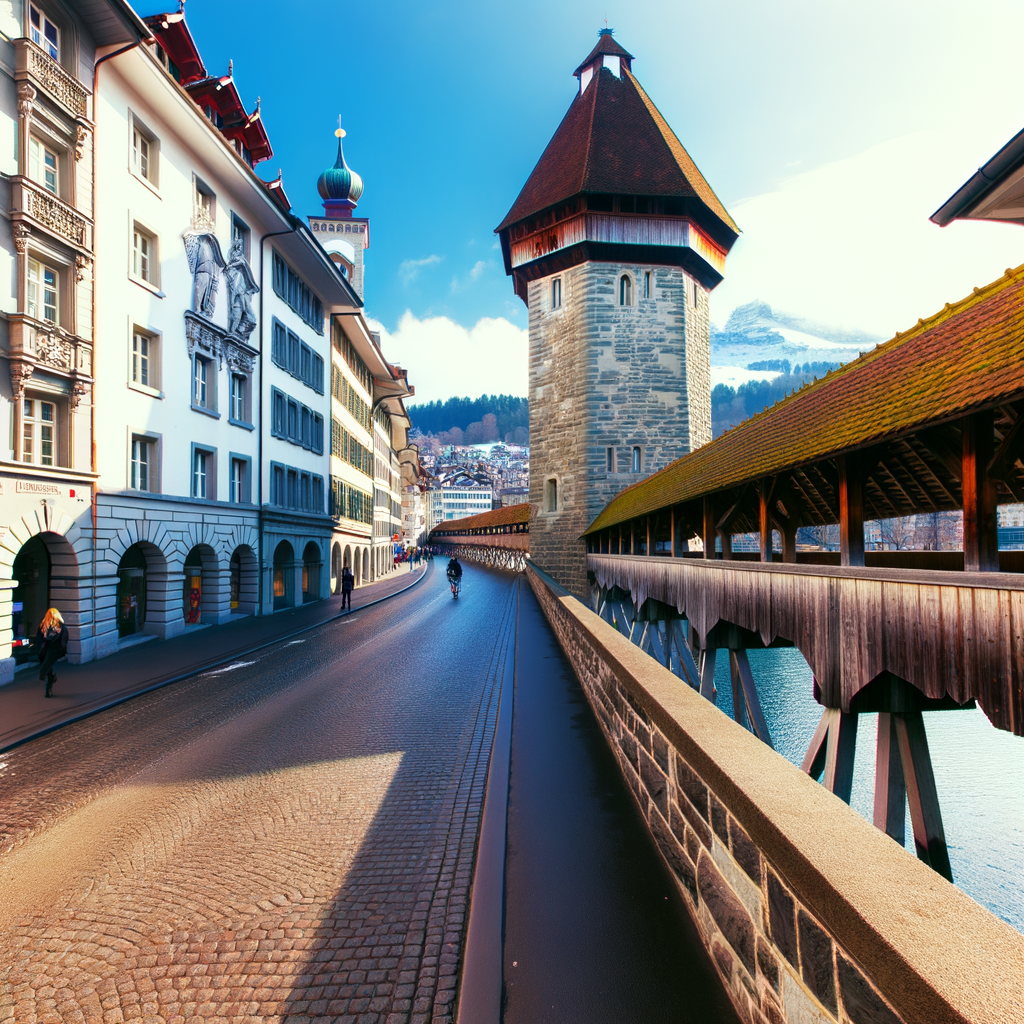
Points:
(897, 533)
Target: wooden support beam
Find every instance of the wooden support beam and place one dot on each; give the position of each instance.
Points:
(764, 523)
(726, 545)
(940, 443)
(814, 759)
(741, 674)
(1010, 449)
(981, 534)
(709, 532)
(707, 673)
(925, 815)
(839, 753)
(672, 520)
(647, 524)
(737, 691)
(890, 788)
(687, 665)
(851, 511)
(789, 542)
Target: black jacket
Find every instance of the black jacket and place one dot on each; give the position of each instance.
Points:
(59, 641)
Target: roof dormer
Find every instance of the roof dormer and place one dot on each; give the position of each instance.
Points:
(606, 54)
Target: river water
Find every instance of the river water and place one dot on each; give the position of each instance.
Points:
(979, 774)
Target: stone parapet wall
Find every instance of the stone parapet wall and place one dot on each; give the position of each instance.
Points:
(810, 914)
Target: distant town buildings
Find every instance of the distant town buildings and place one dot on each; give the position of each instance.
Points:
(239, 436)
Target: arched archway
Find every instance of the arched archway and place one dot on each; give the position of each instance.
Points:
(336, 566)
(45, 569)
(284, 577)
(141, 572)
(199, 590)
(311, 565)
(366, 565)
(244, 581)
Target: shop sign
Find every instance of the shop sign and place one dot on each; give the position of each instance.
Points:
(36, 487)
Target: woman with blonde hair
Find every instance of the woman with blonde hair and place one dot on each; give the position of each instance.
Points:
(52, 645)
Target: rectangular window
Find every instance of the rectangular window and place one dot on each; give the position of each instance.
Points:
(240, 233)
(39, 432)
(293, 290)
(43, 32)
(42, 165)
(201, 382)
(205, 205)
(551, 495)
(239, 491)
(140, 463)
(636, 460)
(143, 255)
(647, 284)
(238, 392)
(556, 293)
(610, 460)
(43, 282)
(145, 152)
(140, 355)
(200, 466)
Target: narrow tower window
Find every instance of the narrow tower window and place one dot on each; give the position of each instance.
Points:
(610, 460)
(551, 495)
(636, 460)
(556, 293)
(625, 290)
(647, 284)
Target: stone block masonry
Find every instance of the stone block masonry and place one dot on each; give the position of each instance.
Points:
(605, 379)
(811, 915)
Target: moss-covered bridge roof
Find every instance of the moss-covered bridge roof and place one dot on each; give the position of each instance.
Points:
(967, 357)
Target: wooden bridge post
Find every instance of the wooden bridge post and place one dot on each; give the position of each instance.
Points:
(709, 532)
(832, 751)
(981, 533)
(789, 542)
(764, 523)
(744, 693)
(890, 788)
(851, 511)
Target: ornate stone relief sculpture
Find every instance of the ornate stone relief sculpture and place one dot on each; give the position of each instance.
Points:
(241, 287)
(55, 350)
(206, 263)
(20, 373)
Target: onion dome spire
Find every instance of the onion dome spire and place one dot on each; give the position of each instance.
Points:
(339, 186)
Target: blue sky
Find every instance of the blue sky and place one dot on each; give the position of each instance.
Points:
(830, 130)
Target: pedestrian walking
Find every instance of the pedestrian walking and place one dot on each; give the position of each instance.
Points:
(347, 583)
(52, 645)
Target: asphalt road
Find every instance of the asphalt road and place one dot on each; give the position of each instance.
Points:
(291, 837)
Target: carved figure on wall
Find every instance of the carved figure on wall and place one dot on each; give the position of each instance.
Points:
(241, 287)
(20, 373)
(206, 263)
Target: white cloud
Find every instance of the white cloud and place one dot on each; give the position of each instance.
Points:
(476, 272)
(850, 244)
(445, 359)
(408, 270)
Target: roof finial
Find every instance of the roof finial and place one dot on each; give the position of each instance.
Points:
(340, 132)
(231, 68)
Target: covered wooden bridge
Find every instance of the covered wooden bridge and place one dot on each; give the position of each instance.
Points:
(932, 420)
(500, 538)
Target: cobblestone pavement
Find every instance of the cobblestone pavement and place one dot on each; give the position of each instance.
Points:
(290, 838)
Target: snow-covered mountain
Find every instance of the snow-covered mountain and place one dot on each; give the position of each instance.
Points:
(756, 334)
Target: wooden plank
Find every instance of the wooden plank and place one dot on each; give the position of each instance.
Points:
(851, 512)
(981, 535)
(764, 523)
(925, 815)
(839, 754)
(737, 690)
(758, 725)
(686, 662)
(890, 788)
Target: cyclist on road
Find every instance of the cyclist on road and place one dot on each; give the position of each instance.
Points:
(454, 575)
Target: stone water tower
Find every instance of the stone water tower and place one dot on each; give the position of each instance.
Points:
(614, 244)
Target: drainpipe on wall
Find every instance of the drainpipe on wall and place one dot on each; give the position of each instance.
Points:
(95, 264)
(259, 439)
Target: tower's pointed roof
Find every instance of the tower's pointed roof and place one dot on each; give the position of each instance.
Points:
(605, 45)
(613, 139)
(340, 182)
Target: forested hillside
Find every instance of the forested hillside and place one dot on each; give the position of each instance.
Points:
(479, 420)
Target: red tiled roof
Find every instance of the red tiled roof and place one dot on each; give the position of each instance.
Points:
(174, 36)
(613, 140)
(506, 516)
(968, 356)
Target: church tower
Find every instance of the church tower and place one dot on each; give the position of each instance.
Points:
(345, 237)
(614, 244)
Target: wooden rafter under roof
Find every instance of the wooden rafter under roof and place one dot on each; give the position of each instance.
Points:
(898, 409)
